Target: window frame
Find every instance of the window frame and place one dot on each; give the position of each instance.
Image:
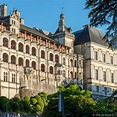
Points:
(5, 42)
(13, 59)
(42, 67)
(43, 54)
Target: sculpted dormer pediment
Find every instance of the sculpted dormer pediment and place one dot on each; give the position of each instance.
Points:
(13, 16)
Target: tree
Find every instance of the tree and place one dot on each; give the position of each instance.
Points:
(77, 102)
(104, 12)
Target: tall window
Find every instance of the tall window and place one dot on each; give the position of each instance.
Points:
(75, 63)
(5, 78)
(20, 47)
(33, 51)
(42, 67)
(5, 42)
(97, 89)
(13, 45)
(59, 72)
(71, 74)
(104, 58)
(112, 78)
(96, 74)
(43, 54)
(34, 64)
(51, 70)
(51, 57)
(27, 49)
(104, 76)
(71, 62)
(13, 78)
(5, 57)
(27, 63)
(13, 59)
(63, 60)
(75, 75)
(63, 73)
(20, 61)
(56, 58)
(111, 59)
(95, 55)
(105, 89)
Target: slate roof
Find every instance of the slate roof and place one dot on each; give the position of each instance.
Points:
(5, 19)
(34, 31)
(90, 34)
(66, 30)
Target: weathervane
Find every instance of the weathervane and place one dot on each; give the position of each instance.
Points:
(62, 10)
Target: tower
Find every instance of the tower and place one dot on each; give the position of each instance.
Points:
(63, 34)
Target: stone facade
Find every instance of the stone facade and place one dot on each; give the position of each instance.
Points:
(100, 66)
(31, 61)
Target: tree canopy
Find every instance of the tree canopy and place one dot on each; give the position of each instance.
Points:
(103, 12)
(77, 102)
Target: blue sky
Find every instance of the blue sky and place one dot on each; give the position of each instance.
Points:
(44, 14)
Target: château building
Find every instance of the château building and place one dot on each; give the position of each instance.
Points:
(33, 60)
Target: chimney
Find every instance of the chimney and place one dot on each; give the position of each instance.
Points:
(22, 21)
(3, 10)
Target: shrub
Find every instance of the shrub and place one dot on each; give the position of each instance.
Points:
(3, 101)
(33, 101)
(27, 98)
(15, 107)
(16, 99)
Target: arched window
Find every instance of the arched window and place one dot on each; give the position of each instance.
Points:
(20, 47)
(34, 64)
(64, 61)
(27, 63)
(42, 67)
(43, 54)
(71, 62)
(20, 61)
(56, 58)
(5, 42)
(51, 70)
(27, 49)
(5, 57)
(13, 45)
(33, 51)
(13, 59)
(51, 57)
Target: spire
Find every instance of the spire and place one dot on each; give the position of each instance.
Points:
(62, 23)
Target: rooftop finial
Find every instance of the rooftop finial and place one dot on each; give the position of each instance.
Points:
(62, 10)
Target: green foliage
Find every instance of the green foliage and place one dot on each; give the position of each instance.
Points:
(43, 94)
(16, 99)
(21, 107)
(26, 98)
(77, 102)
(15, 107)
(102, 13)
(33, 101)
(3, 103)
